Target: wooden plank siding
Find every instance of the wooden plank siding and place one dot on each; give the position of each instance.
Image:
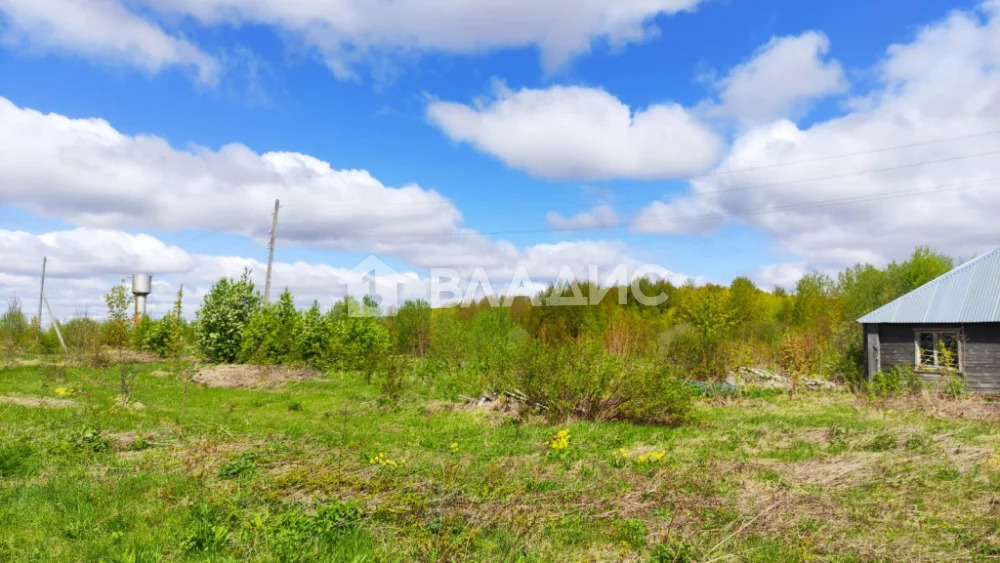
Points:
(980, 352)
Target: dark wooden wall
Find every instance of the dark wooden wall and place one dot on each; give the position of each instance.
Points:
(980, 354)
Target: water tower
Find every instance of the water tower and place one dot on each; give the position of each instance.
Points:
(141, 287)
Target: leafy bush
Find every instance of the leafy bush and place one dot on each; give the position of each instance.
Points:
(223, 316)
(82, 334)
(893, 382)
(15, 331)
(165, 337)
(581, 379)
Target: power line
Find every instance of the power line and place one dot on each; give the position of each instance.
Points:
(223, 229)
(827, 202)
(763, 210)
(850, 154)
(676, 197)
(751, 187)
(717, 173)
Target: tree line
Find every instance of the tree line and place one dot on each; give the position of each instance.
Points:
(557, 354)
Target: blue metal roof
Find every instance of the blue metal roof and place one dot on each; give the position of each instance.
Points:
(968, 294)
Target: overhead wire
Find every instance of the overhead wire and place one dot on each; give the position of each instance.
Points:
(675, 197)
(717, 173)
(739, 188)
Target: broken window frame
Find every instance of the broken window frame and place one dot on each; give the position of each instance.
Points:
(933, 354)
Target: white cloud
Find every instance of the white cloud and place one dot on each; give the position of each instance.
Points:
(84, 263)
(347, 32)
(577, 133)
(681, 215)
(780, 79)
(104, 30)
(601, 216)
(784, 275)
(89, 174)
(944, 83)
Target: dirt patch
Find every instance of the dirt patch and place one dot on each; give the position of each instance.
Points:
(971, 407)
(241, 376)
(59, 361)
(44, 402)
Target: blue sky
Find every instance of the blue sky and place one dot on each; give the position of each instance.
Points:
(465, 115)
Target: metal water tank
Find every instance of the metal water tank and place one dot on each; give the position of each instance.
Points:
(142, 284)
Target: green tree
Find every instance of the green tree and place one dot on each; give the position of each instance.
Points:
(118, 325)
(811, 306)
(315, 336)
(269, 337)
(224, 315)
(364, 342)
(746, 302)
(411, 327)
(923, 266)
(712, 321)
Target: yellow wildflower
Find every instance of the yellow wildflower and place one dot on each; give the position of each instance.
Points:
(453, 446)
(560, 441)
(652, 457)
(63, 391)
(384, 461)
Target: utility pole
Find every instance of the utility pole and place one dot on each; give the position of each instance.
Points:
(270, 254)
(41, 297)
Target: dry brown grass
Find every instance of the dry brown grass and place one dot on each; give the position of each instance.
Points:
(244, 376)
(42, 402)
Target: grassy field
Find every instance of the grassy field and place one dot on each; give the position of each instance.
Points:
(323, 470)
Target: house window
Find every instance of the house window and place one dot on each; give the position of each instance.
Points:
(937, 349)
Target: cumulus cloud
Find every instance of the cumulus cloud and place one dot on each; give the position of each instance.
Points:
(601, 216)
(86, 173)
(943, 84)
(780, 79)
(678, 216)
(784, 275)
(347, 32)
(83, 263)
(104, 30)
(89, 174)
(579, 133)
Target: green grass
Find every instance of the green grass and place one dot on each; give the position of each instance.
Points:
(287, 474)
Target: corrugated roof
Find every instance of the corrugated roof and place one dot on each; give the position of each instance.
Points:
(968, 294)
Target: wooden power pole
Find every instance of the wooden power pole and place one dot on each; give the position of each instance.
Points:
(41, 297)
(270, 254)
